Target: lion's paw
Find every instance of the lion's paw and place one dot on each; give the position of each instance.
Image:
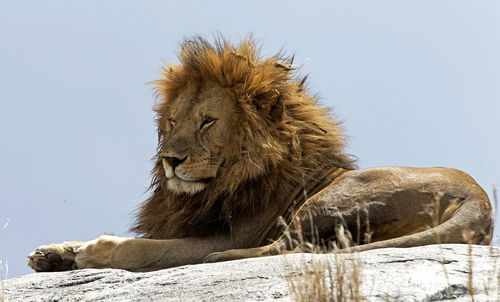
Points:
(232, 255)
(54, 257)
(214, 257)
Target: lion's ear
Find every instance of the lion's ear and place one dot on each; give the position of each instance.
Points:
(269, 103)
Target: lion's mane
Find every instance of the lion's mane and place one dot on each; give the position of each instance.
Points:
(286, 139)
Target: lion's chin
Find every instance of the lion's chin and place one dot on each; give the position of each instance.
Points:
(179, 186)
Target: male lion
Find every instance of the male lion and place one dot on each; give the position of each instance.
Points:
(242, 147)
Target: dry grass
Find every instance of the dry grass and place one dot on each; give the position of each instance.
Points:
(495, 203)
(4, 268)
(2, 289)
(333, 277)
(325, 277)
(470, 284)
(494, 277)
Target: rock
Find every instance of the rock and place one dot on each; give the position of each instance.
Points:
(428, 273)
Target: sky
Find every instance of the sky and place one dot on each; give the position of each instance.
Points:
(416, 83)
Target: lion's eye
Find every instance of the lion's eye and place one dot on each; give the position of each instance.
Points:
(207, 122)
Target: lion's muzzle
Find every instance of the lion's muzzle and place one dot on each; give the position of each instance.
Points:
(186, 175)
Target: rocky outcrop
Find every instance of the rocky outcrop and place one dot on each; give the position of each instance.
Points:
(428, 273)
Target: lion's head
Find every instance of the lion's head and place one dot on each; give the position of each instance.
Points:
(236, 132)
(198, 133)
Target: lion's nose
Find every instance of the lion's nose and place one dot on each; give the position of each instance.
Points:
(174, 161)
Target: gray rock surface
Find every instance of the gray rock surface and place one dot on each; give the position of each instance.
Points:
(428, 273)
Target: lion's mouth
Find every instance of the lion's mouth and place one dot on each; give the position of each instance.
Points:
(183, 179)
(201, 180)
(186, 175)
(205, 180)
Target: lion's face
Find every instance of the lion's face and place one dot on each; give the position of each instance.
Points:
(197, 130)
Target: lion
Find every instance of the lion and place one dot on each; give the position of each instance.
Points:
(247, 158)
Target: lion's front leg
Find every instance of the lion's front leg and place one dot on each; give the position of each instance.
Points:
(133, 254)
(74, 255)
(104, 252)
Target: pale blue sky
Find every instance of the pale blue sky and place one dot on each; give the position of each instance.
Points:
(416, 83)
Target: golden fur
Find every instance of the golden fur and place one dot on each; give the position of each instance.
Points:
(242, 144)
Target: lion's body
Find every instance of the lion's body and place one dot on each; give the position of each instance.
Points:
(242, 144)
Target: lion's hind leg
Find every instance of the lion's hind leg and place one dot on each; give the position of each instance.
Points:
(473, 217)
(471, 222)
